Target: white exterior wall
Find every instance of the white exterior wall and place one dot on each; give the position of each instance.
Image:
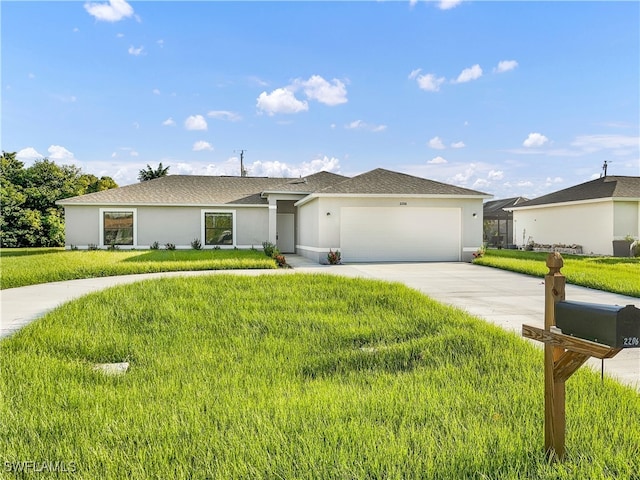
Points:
(177, 225)
(81, 226)
(626, 219)
(307, 239)
(320, 232)
(590, 224)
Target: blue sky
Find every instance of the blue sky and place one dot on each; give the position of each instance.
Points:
(509, 98)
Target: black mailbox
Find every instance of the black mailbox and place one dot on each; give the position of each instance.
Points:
(612, 325)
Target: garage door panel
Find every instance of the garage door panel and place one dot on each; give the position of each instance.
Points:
(399, 234)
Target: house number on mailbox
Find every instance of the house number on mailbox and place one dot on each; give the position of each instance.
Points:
(631, 341)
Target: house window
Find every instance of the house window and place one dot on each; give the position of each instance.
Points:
(117, 228)
(218, 228)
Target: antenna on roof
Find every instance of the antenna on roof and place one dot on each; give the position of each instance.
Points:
(604, 169)
(243, 172)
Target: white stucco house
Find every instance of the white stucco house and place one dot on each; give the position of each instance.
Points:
(593, 214)
(380, 215)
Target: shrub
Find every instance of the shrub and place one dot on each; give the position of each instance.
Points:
(196, 244)
(113, 247)
(334, 258)
(74, 247)
(269, 249)
(155, 246)
(170, 246)
(92, 246)
(281, 260)
(216, 247)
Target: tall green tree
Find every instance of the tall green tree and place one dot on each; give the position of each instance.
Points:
(149, 173)
(29, 216)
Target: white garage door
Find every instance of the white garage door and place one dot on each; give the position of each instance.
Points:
(387, 234)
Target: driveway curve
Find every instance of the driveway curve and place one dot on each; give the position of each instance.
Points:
(504, 298)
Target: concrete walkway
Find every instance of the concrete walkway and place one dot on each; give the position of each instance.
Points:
(504, 298)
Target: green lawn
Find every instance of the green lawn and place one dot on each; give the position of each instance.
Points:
(29, 266)
(618, 275)
(295, 377)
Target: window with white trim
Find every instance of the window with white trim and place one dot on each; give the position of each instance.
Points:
(117, 227)
(218, 228)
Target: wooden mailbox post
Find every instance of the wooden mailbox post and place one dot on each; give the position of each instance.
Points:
(563, 355)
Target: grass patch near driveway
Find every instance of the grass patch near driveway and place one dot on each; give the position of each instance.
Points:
(612, 274)
(22, 266)
(296, 376)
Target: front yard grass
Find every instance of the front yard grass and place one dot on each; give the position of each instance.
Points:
(30, 266)
(295, 377)
(612, 274)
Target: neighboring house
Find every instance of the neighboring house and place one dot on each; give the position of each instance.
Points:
(593, 214)
(377, 216)
(498, 222)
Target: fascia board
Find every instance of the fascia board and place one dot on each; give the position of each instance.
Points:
(389, 195)
(135, 204)
(565, 204)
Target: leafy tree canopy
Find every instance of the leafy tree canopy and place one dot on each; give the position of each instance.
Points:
(30, 216)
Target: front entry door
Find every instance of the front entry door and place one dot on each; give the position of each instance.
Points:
(285, 240)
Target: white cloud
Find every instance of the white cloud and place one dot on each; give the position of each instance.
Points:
(29, 154)
(160, 43)
(524, 183)
(114, 11)
(136, 51)
(202, 145)
(120, 35)
(551, 181)
(225, 115)
(156, 91)
(437, 161)
(428, 82)
(436, 142)
(458, 145)
(468, 74)
(281, 169)
(592, 143)
(281, 100)
(169, 122)
(56, 152)
(480, 183)
(135, 125)
(317, 88)
(65, 98)
(360, 125)
(448, 4)
(535, 140)
(495, 175)
(195, 122)
(505, 66)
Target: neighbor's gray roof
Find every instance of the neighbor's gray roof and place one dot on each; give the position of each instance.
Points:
(494, 209)
(603, 187)
(386, 182)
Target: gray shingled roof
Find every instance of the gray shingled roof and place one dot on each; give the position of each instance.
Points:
(494, 209)
(184, 190)
(210, 190)
(386, 182)
(603, 187)
(309, 184)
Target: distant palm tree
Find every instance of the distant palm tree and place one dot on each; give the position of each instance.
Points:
(149, 173)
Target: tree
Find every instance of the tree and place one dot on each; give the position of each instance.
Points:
(149, 173)
(29, 215)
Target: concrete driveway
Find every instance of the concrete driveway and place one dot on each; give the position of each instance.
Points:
(504, 298)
